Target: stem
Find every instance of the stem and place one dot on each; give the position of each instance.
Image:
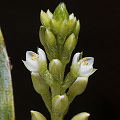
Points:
(58, 80)
(55, 116)
(70, 97)
(69, 79)
(55, 89)
(63, 71)
(60, 50)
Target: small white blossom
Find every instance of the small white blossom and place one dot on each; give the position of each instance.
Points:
(86, 65)
(31, 62)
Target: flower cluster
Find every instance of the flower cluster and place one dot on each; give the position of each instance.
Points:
(58, 34)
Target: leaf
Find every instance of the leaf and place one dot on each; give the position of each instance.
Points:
(6, 92)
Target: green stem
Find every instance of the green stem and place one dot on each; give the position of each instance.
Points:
(6, 92)
(55, 89)
(60, 50)
(70, 97)
(55, 116)
(63, 71)
(70, 78)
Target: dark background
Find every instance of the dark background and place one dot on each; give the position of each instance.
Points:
(99, 37)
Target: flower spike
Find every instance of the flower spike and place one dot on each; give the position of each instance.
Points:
(59, 35)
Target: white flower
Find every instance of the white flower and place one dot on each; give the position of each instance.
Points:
(86, 65)
(32, 58)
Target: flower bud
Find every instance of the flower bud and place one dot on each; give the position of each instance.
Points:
(43, 42)
(63, 31)
(60, 13)
(72, 24)
(77, 28)
(70, 43)
(54, 26)
(50, 39)
(55, 67)
(44, 19)
(42, 35)
(81, 116)
(51, 44)
(60, 103)
(38, 83)
(37, 116)
(71, 16)
(50, 15)
(78, 86)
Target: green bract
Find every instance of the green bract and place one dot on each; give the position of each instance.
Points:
(59, 35)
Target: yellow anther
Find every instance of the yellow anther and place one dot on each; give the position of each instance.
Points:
(80, 61)
(34, 57)
(84, 59)
(85, 63)
(34, 54)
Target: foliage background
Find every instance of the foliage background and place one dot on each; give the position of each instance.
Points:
(99, 37)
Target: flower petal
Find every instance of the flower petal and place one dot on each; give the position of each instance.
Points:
(42, 55)
(90, 61)
(29, 54)
(76, 58)
(29, 66)
(85, 70)
(93, 71)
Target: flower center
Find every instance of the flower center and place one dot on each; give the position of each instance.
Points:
(34, 57)
(84, 61)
